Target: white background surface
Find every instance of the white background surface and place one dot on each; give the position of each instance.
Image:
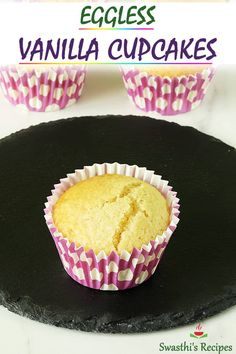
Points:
(104, 93)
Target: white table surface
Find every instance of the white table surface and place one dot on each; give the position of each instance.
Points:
(104, 93)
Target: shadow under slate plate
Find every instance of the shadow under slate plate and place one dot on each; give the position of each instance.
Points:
(196, 277)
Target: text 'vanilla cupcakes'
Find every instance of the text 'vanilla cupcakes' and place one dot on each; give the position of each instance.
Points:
(111, 224)
(167, 89)
(42, 88)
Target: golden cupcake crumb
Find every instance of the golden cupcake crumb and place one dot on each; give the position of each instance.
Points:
(173, 70)
(111, 213)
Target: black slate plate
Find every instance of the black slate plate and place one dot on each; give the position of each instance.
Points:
(196, 277)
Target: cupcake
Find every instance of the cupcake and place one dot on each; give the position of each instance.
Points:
(40, 88)
(111, 224)
(167, 89)
(111, 213)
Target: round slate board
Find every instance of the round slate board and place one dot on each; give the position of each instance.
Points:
(196, 277)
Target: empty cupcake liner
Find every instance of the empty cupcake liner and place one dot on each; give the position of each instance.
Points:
(165, 95)
(40, 89)
(113, 271)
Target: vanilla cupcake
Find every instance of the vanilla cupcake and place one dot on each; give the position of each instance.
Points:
(167, 89)
(111, 213)
(111, 224)
(42, 88)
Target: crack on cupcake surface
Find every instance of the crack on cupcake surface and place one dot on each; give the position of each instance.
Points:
(133, 210)
(125, 192)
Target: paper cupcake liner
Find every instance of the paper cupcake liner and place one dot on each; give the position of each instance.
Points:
(165, 95)
(113, 271)
(42, 90)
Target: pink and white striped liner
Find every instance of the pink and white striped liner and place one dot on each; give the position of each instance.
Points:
(41, 89)
(166, 95)
(113, 271)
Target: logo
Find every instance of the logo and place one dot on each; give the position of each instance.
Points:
(198, 345)
(198, 333)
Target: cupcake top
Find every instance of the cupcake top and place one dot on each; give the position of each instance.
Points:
(173, 70)
(39, 68)
(111, 213)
